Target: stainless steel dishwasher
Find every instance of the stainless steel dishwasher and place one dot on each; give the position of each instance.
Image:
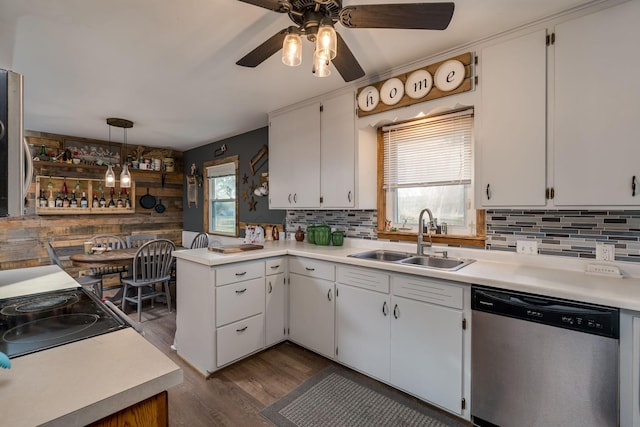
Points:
(539, 361)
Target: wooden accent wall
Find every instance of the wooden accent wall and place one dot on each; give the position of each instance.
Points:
(22, 239)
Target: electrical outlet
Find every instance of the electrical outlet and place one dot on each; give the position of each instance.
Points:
(528, 247)
(605, 252)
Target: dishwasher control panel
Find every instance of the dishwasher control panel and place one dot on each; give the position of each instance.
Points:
(582, 317)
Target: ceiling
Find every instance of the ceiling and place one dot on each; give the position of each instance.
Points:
(169, 66)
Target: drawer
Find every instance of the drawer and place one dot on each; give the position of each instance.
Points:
(240, 339)
(312, 268)
(428, 290)
(274, 266)
(239, 300)
(364, 278)
(238, 272)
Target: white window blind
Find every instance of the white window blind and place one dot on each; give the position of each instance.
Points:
(433, 151)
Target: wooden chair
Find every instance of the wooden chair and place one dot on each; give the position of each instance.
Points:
(151, 266)
(200, 241)
(91, 282)
(137, 240)
(114, 242)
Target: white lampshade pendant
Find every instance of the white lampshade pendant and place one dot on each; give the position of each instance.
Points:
(326, 41)
(320, 65)
(125, 177)
(110, 177)
(292, 50)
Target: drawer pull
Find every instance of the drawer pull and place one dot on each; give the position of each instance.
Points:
(310, 269)
(241, 291)
(242, 329)
(329, 295)
(241, 274)
(385, 309)
(273, 267)
(396, 313)
(270, 288)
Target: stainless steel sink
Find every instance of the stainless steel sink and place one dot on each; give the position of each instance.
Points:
(450, 264)
(425, 261)
(382, 255)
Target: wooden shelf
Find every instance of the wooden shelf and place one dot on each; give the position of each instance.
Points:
(53, 185)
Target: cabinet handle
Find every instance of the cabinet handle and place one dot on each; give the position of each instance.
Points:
(289, 197)
(270, 287)
(488, 192)
(329, 295)
(395, 311)
(349, 197)
(295, 197)
(242, 329)
(385, 309)
(273, 267)
(310, 269)
(2, 130)
(633, 186)
(553, 193)
(241, 274)
(242, 291)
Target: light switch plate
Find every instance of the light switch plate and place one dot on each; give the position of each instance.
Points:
(528, 247)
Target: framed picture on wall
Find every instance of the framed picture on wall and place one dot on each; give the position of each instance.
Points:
(94, 153)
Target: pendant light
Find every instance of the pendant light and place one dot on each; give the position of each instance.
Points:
(125, 175)
(292, 48)
(109, 177)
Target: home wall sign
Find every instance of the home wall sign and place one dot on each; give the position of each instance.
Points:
(448, 77)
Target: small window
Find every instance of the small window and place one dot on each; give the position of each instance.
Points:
(428, 164)
(221, 209)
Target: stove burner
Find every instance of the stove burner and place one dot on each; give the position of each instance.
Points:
(50, 328)
(40, 304)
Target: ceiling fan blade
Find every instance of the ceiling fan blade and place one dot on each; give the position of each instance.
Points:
(414, 16)
(274, 5)
(346, 64)
(264, 51)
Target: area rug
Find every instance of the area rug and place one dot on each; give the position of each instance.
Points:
(338, 397)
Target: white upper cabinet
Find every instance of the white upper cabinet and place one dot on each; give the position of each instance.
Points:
(597, 101)
(316, 160)
(512, 122)
(294, 159)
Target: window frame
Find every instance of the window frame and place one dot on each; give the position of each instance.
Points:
(229, 159)
(478, 240)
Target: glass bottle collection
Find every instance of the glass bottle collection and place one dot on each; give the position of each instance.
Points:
(65, 200)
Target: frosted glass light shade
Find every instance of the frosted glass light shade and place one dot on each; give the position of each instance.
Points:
(292, 50)
(110, 177)
(326, 41)
(125, 177)
(320, 65)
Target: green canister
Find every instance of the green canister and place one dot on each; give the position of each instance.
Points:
(337, 238)
(311, 234)
(323, 235)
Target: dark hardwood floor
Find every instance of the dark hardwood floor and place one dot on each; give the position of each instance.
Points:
(235, 395)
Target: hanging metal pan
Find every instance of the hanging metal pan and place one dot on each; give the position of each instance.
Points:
(160, 207)
(148, 201)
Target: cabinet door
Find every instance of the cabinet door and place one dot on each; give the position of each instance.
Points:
(363, 330)
(294, 158)
(337, 147)
(275, 309)
(426, 352)
(311, 313)
(512, 119)
(596, 99)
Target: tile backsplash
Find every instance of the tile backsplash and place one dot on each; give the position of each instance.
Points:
(359, 224)
(571, 233)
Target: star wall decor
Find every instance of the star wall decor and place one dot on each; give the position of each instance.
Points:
(245, 194)
(252, 204)
(245, 178)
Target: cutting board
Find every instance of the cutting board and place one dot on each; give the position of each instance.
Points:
(229, 249)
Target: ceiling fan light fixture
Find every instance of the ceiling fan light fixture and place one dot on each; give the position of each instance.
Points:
(327, 41)
(321, 64)
(292, 50)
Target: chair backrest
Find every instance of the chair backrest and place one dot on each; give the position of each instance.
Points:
(153, 260)
(110, 240)
(200, 241)
(137, 240)
(53, 257)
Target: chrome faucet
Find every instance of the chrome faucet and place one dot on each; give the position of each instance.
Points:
(421, 243)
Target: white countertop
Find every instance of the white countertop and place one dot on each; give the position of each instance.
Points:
(80, 382)
(554, 276)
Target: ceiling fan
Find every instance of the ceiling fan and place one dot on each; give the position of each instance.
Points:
(316, 18)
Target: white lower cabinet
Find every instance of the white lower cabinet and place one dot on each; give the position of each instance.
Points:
(275, 302)
(311, 305)
(240, 338)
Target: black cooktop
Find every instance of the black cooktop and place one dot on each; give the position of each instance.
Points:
(40, 321)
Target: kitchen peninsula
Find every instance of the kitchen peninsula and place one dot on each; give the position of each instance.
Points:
(85, 381)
